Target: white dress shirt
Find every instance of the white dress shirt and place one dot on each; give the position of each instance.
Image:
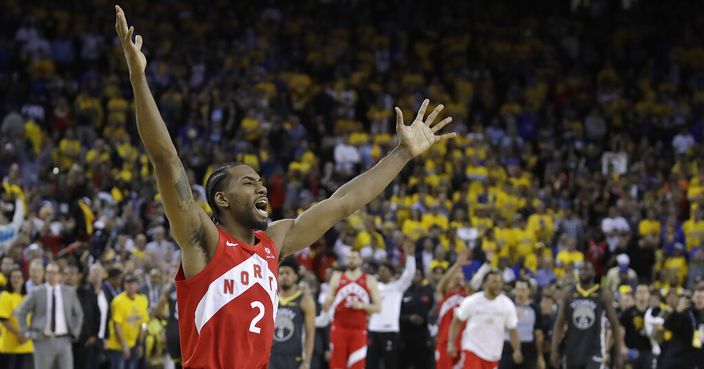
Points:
(60, 317)
(103, 306)
(387, 320)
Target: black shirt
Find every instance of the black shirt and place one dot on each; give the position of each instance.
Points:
(682, 326)
(632, 321)
(417, 300)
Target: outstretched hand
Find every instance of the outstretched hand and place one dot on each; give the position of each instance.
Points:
(421, 134)
(136, 61)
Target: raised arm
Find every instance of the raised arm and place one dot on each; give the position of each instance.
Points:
(190, 225)
(314, 222)
(447, 277)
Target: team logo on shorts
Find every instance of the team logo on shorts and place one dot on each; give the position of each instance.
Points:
(283, 326)
(583, 314)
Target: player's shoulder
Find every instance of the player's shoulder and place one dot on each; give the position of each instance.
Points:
(276, 231)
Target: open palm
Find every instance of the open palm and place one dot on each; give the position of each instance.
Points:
(420, 135)
(136, 61)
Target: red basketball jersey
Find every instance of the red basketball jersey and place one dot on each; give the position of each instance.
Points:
(227, 311)
(349, 291)
(453, 298)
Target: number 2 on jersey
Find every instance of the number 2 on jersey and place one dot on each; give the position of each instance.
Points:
(253, 325)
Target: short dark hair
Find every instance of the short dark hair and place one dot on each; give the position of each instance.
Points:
(388, 266)
(290, 262)
(492, 271)
(217, 180)
(524, 280)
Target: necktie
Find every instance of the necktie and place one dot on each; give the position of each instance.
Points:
(53, 310)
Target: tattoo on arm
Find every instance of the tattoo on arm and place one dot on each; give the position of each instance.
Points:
(183, 188)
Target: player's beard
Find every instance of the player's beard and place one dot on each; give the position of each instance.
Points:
(286, 287)
(352, 268)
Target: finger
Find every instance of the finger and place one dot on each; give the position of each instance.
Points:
(434, 114)
(421, 111)
(120, 22)
(130, 32)
(446, 136)
(138, 42)
(399, 118)
(440, 125)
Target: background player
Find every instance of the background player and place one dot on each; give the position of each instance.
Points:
(226, 285)
(488, 314)
(580, 320)
(295, 322)
(353, 296)
(452, 289)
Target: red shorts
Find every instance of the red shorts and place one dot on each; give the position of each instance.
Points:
(472, 361)
(348, 348)
(445, 361)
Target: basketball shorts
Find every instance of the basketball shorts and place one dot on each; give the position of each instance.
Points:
(472, 361)
(443, 359)
(348, 348)
(284, 361)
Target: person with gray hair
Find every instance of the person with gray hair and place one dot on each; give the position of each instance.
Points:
(57, 318)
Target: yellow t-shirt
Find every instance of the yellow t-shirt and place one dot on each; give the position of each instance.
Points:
(129, 314)
(694, 233)
(566, 258)
(9, 342)
(649, 226)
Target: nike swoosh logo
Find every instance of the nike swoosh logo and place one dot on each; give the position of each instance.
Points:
(228, 243)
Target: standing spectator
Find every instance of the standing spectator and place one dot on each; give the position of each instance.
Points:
(683, 141)
(384, 325)
(15, 350)
(36, 275)
(416, 349)
(636, 339)
(128, 311)
(96, 318)
(529, 328)
(111, 285)
(684, 349)
(491, 313)
(620, 274)
(160, 249)
(11, 218)
(57, 318)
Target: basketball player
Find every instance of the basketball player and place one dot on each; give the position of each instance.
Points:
(452, 287)
(489, 314)
(353, 296)
(227, 282)
(581, 319)
(295, 321)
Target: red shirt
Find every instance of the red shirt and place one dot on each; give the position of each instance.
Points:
(226, 312)
(453, 298)
(349, 291)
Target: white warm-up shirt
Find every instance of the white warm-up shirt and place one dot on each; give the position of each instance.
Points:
(387, 320)
(487, 321)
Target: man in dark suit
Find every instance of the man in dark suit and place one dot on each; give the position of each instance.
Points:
(57, 318)
(96, 309)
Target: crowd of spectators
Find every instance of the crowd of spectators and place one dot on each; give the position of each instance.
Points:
(579, 141)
